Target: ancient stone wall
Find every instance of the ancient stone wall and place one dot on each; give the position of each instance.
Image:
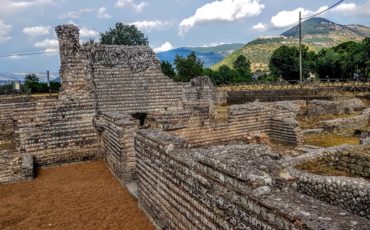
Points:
(223, 187)
(322, 107)
(352, 194)
(58, 131)
(278, 123)
(117, 144)
(356, 122)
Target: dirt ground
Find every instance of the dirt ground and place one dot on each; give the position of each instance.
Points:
(77, 196)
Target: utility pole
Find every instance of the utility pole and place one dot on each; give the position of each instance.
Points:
(48, 81)
(300, 48)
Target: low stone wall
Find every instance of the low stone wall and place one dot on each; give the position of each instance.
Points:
(15, 167)
(355, 122)
(322, 107)
(278, 122)
(243, 96)
(223, 187)
(117, 144)
(352, 194)
(57, 131)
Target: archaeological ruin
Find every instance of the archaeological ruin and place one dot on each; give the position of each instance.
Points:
(196, 157)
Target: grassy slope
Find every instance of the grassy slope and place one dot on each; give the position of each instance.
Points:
(259, 51)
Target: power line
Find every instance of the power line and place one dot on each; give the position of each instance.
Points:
(27, 54)
(331, 7)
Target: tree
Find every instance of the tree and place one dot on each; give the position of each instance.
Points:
(31, 82)
(242, 65)
(123, 35)
(284, 62)
(189, 67)
(243, 69)
(167, 69)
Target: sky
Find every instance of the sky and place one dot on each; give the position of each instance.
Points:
(27, 26)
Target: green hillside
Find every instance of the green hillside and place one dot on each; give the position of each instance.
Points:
(317, 33)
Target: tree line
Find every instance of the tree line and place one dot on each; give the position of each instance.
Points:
(32, 84)
(349, 60)
(186, 68)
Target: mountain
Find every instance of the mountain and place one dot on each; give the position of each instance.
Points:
(317, 33)
(9, 77)
(209, 55)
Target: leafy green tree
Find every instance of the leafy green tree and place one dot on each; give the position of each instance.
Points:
(167, 69)
(31, 82)
(189, 67)
(123, 35)
(284, 62)
(242, 65)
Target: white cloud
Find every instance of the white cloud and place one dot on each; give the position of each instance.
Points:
(50, 46)
(213, 44)
(4, 31)
(37, 30)
(164, 47)
(224, 10)
(102, 13)
(352, 9)
(260, 27)
(47, 43)
(87, 33)
(16, 57)
(151, 25)
(289, 18)
(77, 14)
(11, 6)
(137, 7)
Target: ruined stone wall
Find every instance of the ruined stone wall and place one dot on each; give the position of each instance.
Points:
(58, 131)
(322, 107)
(278, 123)
(117, 144)
(341, 124)
(350, 193)
(128, 79)
(223, 187)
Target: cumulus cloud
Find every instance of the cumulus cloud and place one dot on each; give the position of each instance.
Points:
(37, 30)
(87, 33)
(16, 57)
(137, 7)
(260, 27)
(77, 14)
(50, 46)
(47, 43)
(11, 6)
(289, 18)
(102, 13)
(353, 9)
(4, 31)
(151, 25)
(224, 10)
(164, 47)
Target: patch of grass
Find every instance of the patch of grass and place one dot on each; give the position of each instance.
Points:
(7, 146)
(311, 122)
(322, 167)
(330, 140)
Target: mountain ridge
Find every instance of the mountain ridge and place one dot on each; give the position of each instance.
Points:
(317, 33)
(209, 55)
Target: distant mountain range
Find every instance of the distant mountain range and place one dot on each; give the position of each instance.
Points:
(317, 33)
(209, 55)
(9, 77)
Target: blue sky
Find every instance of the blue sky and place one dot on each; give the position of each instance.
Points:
(28, 25)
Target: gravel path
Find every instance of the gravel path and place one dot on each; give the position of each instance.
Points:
(77, 196)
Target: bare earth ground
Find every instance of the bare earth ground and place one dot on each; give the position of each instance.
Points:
(78, 196)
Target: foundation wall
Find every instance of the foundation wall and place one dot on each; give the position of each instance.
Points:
(352, 194)
(117, 138)
(221, 188)
(240, 120)
(58, 131)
